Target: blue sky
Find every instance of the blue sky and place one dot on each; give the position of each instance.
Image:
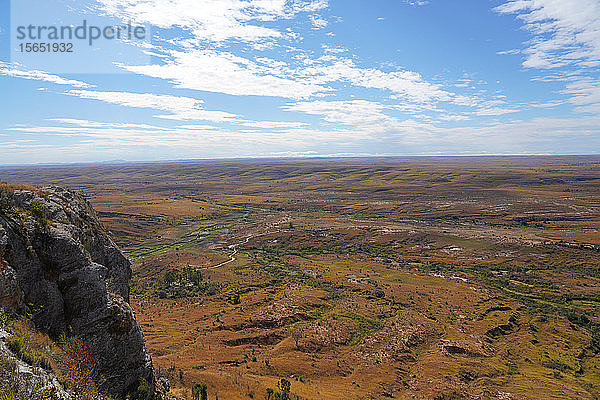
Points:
(274, 78)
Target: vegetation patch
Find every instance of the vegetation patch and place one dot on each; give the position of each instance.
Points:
(30, 346)
(188, 282)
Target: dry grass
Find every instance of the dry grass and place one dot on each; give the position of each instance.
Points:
(18, 186)
(70, 363)
(34, 348)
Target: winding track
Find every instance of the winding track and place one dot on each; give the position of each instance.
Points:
(234, 247)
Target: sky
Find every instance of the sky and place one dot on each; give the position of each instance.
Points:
(302, 78)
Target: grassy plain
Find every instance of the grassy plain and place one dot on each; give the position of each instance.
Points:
(425, 278)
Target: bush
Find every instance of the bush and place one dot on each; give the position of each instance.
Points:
(11, 386)
(235, 299)
(37, 350)
(199, 391)
(22, 385)
(513, 369)
(285, 387)
(578, 319)
(143, 390)
(556, 365)
(79, 368)
(38, 209)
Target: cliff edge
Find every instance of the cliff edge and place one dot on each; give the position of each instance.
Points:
(58, 265)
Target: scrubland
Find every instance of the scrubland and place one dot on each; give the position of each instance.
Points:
(425, 278)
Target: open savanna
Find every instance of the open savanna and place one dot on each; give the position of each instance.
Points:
(424, 278)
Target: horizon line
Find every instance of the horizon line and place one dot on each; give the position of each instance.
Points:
(281, 158)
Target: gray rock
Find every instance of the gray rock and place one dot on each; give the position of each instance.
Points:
(10, 293)
(75, 281)
(164, 385)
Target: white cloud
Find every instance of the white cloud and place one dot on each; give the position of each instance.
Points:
(181, 108)
(318, 22)
(92, 124)
(354, 100)
(584, 93)
(410, 85)
(273, 124)
(509, 52)
(223, 72)
(494, 111)
(336, 50)
(566, 32)
(566, 38)
(354, 112)
(367, 117)
(214, 20)
(192, 66)
(92, 140)
(17, 72)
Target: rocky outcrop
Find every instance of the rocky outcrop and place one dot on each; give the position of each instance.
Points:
(57, 263)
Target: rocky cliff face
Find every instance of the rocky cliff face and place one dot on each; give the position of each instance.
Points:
(58, 264)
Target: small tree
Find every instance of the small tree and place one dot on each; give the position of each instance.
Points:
(297, 334)
(285, 387)
(199, 391)
(196, 391)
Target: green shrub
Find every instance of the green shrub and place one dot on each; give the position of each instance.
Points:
(285, 386)
(188, 282)
(556, 365)
(38, 209)
(578, 319)
(199, 391)
(143, 390)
